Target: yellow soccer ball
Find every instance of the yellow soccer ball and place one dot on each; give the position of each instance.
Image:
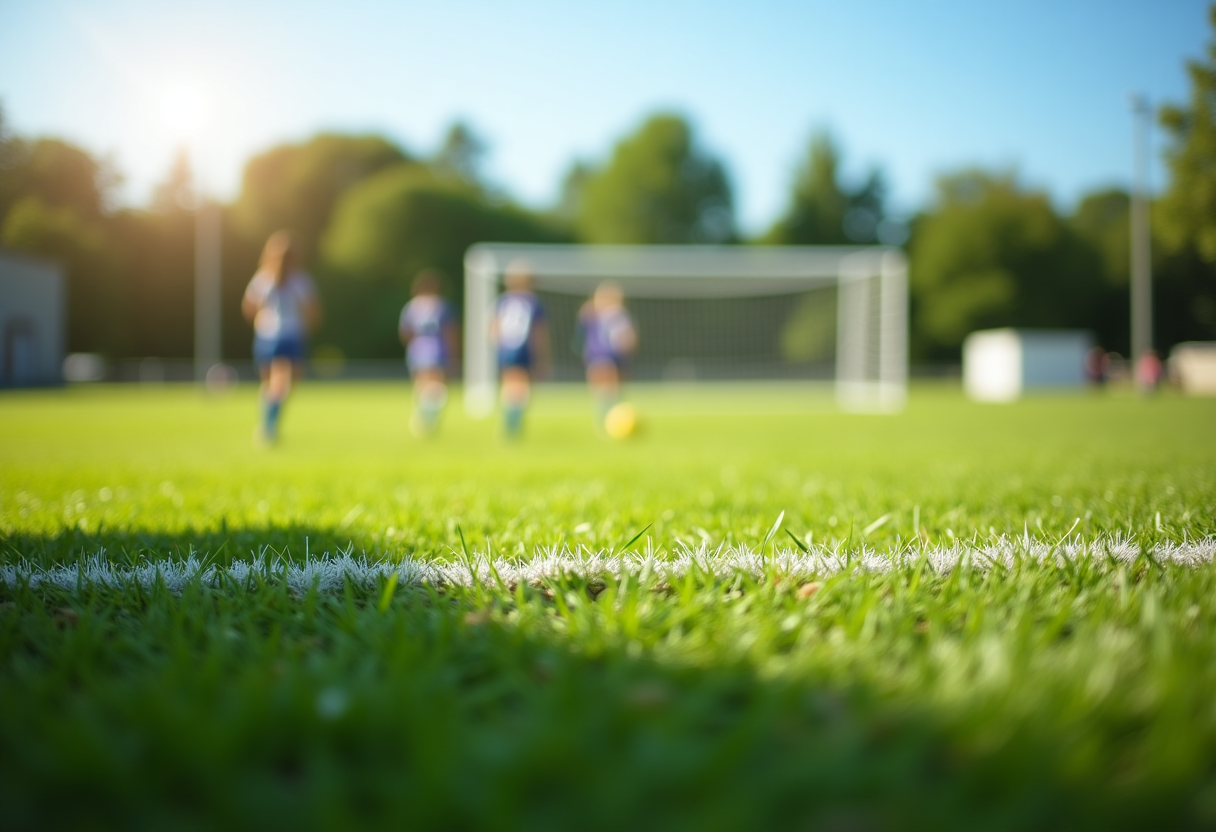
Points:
(621, 422)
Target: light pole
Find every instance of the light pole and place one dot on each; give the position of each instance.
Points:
(184, 109)
(1141, 264)
(207, 294)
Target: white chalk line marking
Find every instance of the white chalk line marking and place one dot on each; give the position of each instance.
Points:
(331, 572)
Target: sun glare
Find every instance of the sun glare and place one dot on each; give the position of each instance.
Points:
(184, 108)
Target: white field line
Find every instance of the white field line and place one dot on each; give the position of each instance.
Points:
(331, 572)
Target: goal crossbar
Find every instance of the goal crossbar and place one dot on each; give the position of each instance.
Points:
(864, 381)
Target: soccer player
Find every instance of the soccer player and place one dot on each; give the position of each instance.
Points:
(429, 331)
(609, 340)
(281, 303)
(521, 336)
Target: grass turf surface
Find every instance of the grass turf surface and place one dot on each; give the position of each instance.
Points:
(1065, 695)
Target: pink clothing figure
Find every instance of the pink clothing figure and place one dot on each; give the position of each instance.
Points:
(1148, 370)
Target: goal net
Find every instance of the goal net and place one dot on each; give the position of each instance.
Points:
(831, 314)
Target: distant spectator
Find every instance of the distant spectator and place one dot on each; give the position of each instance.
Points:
(1148, 371)
(281, 303)
(1097, 367)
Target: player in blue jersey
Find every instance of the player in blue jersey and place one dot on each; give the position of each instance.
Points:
(281, 303)
(521, 337)
(431, 336)
(609, 340)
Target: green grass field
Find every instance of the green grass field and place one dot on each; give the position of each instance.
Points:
(874, 688)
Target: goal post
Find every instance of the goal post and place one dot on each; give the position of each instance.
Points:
(835, 314)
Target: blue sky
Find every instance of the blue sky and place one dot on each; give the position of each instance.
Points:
(914, 87)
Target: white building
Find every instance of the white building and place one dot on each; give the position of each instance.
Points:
(1193, 366)
(999, 365)
(33, 325)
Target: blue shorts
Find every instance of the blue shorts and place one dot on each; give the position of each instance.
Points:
(423, 365)
(604, 358)
(515, 357)
(426, 354)
(266, 350)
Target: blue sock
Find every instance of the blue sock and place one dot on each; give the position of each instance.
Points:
(270, 417)
(429, 411)
(512, 419)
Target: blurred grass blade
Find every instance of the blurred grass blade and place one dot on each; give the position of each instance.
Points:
(877, 524)
(772, 531)
(632, 540)
(802, 547)
(390, 587)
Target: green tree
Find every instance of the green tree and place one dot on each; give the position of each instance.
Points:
(1184, 299)
(157, 248)
(461, 156)
(1103, 218)
(296, 186)
(177, 192)
(570, 197)
(1103, 221)
(96, 308)
(988, 254)
(59, 174)
(156, 254)
(157, 272)
(388, 228)
(67, 176)
(1186, 214)
(822, 210)
(54, 204)
(658, 187)
(1184, 219)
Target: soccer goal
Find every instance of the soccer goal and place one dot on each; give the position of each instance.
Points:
(829, 314)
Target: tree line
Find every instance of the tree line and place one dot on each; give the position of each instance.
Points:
(986, 251)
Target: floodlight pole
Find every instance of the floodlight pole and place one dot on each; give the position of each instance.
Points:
(1141, 263)
(207, 303)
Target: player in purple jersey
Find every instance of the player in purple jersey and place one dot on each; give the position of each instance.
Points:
(609, 340)
(281, 303)
(429, 331)
(521, 337)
